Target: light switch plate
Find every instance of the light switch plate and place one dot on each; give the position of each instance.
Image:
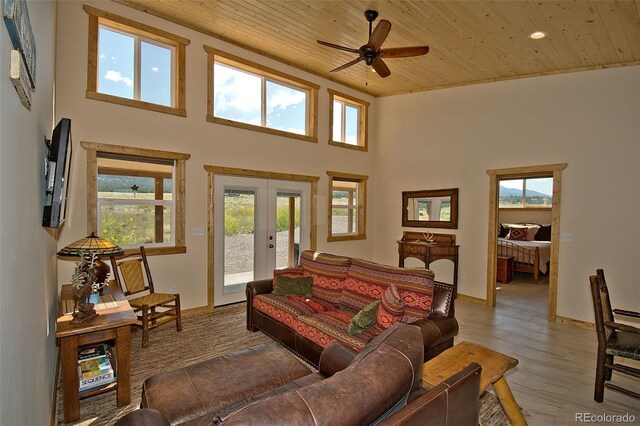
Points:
(199, 232)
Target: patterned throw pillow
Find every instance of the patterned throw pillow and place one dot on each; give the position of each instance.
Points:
(391, 308)
(517, 233)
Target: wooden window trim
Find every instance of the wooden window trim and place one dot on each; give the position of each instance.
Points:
(214, 55)
(362, 206)
(363, 120)
(98, 17)
(180, 188)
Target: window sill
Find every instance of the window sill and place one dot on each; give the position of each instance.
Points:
(334, 238)
(349, 146)
(226, 122)
(135, 103)
(156, 251)
(519, 209)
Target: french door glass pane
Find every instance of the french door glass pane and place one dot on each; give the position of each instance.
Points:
(115, 63)
(239, 236)
(286, 108)
(155, 74)
(237, 95)
(351, 125)
(337, 121)
(286, 252)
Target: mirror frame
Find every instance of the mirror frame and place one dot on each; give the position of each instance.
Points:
(452, 223)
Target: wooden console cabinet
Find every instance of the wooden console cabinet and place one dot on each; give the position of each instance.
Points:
(440, 246)
(110, 325)
(504, 272)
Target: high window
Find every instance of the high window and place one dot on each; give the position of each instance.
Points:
(526, 193)
(347, 206)
(250, 96)
(135, 65)
(348, 121)
(136, 196)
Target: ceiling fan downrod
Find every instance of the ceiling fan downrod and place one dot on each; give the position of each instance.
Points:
(371, 16)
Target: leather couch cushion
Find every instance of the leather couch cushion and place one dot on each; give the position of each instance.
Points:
(386, 371)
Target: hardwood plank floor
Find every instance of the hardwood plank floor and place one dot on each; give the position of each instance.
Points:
(554, 379)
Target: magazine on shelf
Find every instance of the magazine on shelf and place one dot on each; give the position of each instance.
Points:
(92, 352)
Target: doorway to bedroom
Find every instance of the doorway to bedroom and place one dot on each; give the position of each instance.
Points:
(523, 236)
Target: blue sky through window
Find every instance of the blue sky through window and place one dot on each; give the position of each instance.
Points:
(155, 74)
(236, 95)
(337, 121)
(351, 125)
(286, 108)
(115, 63)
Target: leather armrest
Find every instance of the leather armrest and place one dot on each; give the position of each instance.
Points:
(143, 417)
(260, 287)
(334, 358)
(436, 329)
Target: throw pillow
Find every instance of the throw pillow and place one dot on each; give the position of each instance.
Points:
(290, 286)
(391, 308)
(517, 233)
(532, 230)
(365, 319)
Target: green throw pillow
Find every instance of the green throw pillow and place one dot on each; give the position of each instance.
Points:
(293, 286)
(364, 319)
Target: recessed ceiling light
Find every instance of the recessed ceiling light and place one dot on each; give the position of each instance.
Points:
(537, 35)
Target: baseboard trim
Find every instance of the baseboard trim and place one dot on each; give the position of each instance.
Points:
(471, 299)
(54, 396)
(575, 322)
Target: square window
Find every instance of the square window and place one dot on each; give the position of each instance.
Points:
(526, 193)
(134, 64)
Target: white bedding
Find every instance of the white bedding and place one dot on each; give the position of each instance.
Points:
(544, 251)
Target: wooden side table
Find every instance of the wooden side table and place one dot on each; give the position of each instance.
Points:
(110, 324)
(504, 272)
(494, 365)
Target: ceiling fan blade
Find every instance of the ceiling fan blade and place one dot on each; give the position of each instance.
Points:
(336, 46)
(381, 68)
(379, 34)
(404, 52)
(347, 65)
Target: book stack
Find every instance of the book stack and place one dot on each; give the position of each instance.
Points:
(94, 367)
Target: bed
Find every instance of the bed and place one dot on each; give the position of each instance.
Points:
(529, 256)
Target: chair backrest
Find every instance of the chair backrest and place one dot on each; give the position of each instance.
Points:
(128, 272)
(601, 305)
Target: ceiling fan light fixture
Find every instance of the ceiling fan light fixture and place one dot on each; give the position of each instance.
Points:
(537, 35)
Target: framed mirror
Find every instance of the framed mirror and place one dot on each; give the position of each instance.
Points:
(436, 208)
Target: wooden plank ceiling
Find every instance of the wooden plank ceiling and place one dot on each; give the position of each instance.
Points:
(470, 41)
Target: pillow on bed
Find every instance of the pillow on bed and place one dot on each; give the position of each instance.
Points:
(532, 231)
(504, 230)
(544, 233)
(517, 233)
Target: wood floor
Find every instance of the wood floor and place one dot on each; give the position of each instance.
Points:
(555, 375)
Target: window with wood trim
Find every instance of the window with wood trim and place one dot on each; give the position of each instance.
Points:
(348, 119)
(347, 206)
(526, 193)
(136, 197)
(134, 64)
(250, 96)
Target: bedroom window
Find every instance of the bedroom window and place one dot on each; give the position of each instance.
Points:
(135, 65)
(526, 193)
(136, 197)
(348, 118)
(347, 207)
(250, 96)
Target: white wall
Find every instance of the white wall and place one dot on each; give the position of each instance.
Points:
(524, 216)
(28, 287)
(208, 144)
(449, 138)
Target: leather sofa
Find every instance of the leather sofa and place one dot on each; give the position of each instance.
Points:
(334, 276)
(381, 383)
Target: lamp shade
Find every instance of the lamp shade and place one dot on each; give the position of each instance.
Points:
(92, 244)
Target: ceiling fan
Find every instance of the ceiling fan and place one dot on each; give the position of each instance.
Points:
(371, 53)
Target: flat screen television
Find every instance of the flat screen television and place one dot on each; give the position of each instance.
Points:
(58, 173)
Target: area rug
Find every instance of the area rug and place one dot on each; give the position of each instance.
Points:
(203, 336)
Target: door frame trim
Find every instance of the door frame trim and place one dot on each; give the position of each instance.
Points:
(233, 171)
(523, 172)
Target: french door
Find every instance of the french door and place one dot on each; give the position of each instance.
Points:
(259, 225)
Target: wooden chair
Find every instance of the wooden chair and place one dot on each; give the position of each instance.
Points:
(614, 339)
(153, 309)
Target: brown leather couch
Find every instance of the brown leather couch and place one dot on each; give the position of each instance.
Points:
(349, 389)
(438, 330)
